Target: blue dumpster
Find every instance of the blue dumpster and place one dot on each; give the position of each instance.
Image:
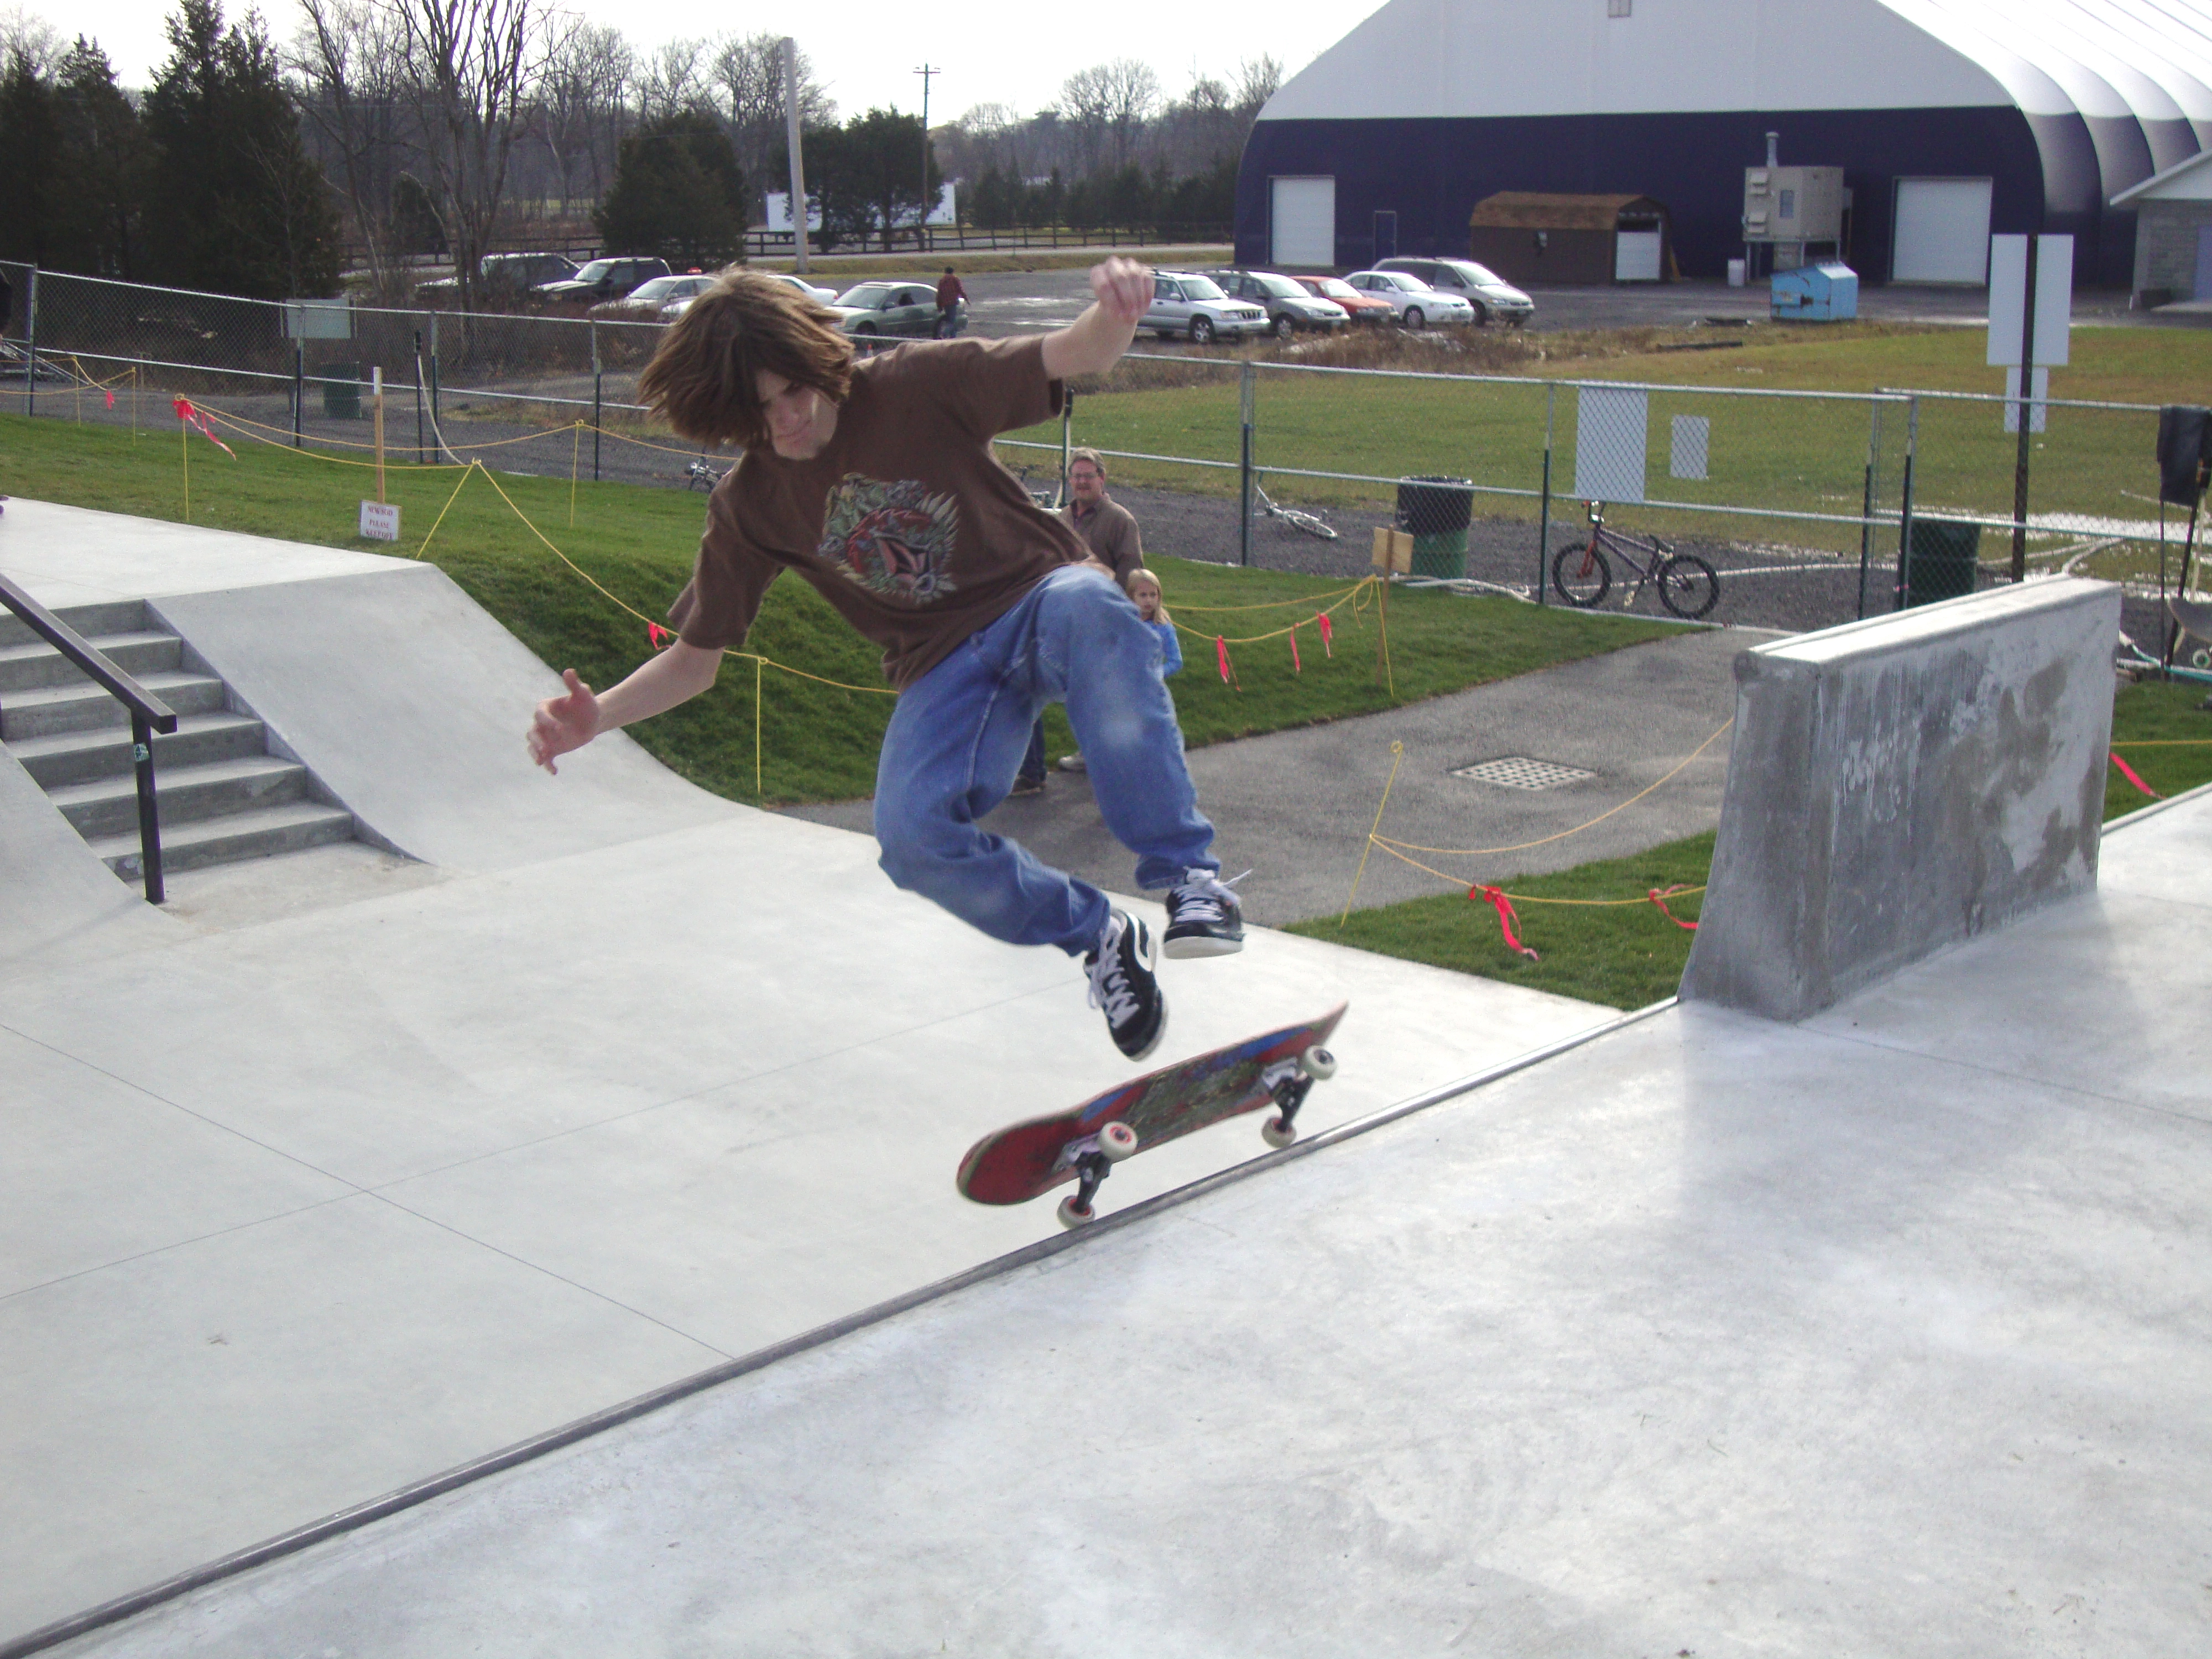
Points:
(1815, 294)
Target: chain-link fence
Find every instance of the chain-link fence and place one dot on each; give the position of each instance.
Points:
(1809, 509)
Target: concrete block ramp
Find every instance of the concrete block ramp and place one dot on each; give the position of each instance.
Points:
(1712, 1335)
(319, 1203)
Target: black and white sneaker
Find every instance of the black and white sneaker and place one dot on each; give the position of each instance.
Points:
(1204, 916)
(1122, 984)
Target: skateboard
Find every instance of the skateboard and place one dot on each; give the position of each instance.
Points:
(1026, 1160)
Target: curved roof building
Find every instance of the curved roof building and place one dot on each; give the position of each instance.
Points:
(2045, 108)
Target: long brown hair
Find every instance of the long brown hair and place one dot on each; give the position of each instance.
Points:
(701, 379)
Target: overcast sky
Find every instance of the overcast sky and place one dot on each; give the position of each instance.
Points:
(992, 50)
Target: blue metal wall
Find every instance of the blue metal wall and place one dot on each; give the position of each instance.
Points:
(1433, 171)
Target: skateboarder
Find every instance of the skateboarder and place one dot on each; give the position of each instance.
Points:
(875, 483)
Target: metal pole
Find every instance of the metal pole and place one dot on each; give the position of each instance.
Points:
(422, 445)
(1866, 509)
(435, 427)
(2027, 392)
(1247, 390)
(798, 172)
(1067, 444)
(1544, 514)
(149, 813)
(1905, 513)
(596, 387)
(299, 388)
(31, 348)
(921, 219)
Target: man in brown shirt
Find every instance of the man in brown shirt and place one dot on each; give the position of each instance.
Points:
(949, 294)
(874, 484)
(1108, 528)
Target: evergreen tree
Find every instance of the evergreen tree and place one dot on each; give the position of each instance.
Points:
(105, 165)
(870, 174)
(235, 205)
(678, 193)
(32, 191)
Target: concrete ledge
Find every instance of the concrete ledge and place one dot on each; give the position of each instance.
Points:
(1900, 784)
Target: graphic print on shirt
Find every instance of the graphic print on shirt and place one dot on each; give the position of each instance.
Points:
(892, 538)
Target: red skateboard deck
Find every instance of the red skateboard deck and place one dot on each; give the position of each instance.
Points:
(1025, 1160)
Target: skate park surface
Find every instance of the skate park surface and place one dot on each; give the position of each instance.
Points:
(1884, 1331)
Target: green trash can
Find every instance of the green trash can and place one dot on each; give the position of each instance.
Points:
(1943, 562)
(1437, 511)
(342, 392)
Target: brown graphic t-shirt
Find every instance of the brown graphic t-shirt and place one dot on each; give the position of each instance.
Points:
(905, 522)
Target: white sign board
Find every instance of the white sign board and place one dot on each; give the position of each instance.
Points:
(779, 211)
(1610, 427)
(2054, 298)
(379, 521)
(318, 319)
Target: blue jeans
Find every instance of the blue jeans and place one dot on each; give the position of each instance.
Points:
(959, 732)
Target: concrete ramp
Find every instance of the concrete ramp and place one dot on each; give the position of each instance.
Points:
(56, 900)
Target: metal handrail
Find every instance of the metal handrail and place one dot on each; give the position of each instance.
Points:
(149, 715)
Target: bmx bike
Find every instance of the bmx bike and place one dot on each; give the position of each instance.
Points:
(1312, 523)
(1582, 575)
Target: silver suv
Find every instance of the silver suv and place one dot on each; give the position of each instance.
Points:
(1186, 303)
(1491, 295)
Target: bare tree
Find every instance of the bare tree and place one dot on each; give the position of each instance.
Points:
(748, 72)
(348, 62)
(472, 68)
(27, 36)
(674, 81)
(581, 102)
(1258, 79)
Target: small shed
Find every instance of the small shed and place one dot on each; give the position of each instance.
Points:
(2173, 233)
(1815, 294)
(1531, 238)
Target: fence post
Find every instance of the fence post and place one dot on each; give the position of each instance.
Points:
(1544, 514)
(421, 448)
(1904, 511)
(1247, 378)
(594, 327)
(433, 382)
(1066, 443)
(1866, 507)
(2026, 421)
(31, 348)
(299, 388)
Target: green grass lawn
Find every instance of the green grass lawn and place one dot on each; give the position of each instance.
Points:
(1795, 455)
(817, 742)
(1627, 955)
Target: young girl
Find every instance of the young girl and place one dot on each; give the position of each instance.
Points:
(1145, 590)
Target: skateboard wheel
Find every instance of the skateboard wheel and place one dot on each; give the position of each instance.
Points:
(1073, 1215)
(1117, 1140)
(1318, 1063)
(1278, 1133)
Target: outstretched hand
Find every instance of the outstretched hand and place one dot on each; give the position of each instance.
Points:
(1123, 288)
(565, 722)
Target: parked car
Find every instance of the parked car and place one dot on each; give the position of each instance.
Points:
(1417, 304)
(820, 296)
(603, 279)
(660, 301)
(507, 276)
(1184, 302)
(1289, 308)
(1491, 295)
(1360, 307)
(906, 308)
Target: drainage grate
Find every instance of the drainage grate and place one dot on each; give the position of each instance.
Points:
(1519, 772)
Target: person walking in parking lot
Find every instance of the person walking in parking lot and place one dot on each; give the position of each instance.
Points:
(874, 482)
(950, 293)
(1109, 531)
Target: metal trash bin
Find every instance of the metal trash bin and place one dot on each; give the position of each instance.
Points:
(1437, 511)
(1943, 559)
(342, 392)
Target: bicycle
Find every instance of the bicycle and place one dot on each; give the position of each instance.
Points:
(1312, 524)
(1687, 584)
(699, 475)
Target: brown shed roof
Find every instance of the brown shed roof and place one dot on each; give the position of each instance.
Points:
(1528, 209)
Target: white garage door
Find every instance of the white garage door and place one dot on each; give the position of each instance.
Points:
(1942, 231)
(1636, 256)
(1303, 222)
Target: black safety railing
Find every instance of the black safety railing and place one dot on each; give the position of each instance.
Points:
(149, 715)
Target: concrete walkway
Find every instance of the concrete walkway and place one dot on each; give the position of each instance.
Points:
(1296, 805)
(350, 1167)
(1883, 1333)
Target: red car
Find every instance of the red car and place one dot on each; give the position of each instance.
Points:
(1363, 307)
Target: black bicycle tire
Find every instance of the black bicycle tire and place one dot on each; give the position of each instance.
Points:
(1666, 593)
(1604, 575)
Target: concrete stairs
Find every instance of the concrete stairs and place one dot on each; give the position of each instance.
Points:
(223, 796)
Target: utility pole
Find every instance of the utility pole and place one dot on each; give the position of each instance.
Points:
(922, 220)
(798, 165)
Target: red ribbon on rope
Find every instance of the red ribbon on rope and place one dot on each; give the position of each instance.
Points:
(1506, 918)
(1296, 665)
(2128, 773)
(1221, 653)
(1321, 616)
(194, 418)
(657, 637)
(111, 398)
(1659, 895)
